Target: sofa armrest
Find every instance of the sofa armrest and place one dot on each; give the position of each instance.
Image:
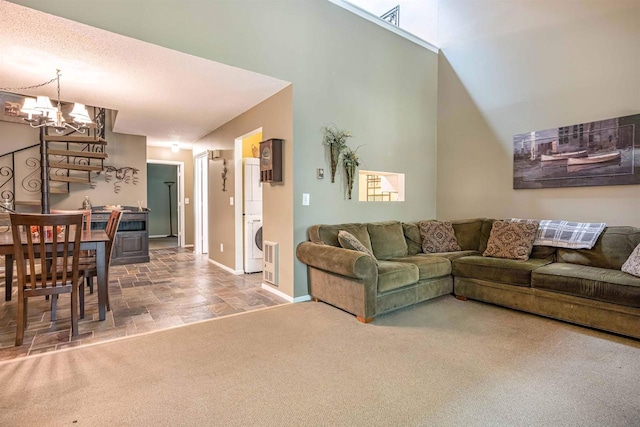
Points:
(341, 261)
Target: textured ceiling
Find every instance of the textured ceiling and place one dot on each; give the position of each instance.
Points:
(161, 93)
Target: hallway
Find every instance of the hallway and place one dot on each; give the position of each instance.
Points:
(175, 288)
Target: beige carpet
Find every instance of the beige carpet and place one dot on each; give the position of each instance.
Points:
(443, 362)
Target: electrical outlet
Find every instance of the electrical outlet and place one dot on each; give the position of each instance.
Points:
(305, 199)
(221, 247)
(231, 201)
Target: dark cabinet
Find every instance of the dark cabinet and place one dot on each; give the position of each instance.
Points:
(271, 160)
(132, 239)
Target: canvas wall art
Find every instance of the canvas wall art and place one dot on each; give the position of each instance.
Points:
(586, 154)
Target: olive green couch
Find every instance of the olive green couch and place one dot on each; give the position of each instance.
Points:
(581, 286)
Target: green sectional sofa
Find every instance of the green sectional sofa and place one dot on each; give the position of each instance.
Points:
(582, 286)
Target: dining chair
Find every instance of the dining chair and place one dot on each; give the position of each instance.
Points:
(5, 227)
(86, 216)
(88, 267)
(86, 257)
(46, 271)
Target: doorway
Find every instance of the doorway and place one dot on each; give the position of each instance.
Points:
(165, 189)
(201, 188)
(248, 224)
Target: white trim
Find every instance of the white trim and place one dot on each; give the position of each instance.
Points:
(384, 24)
(180, 198)
(188, 246)
(238, 200)
(224, 267)
(201, 202)
(285, 296)
(157, 236)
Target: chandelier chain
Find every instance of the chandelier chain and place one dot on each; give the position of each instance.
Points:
(57, 77)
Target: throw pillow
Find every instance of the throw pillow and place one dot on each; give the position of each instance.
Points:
(349, 241)
(511, 240)
(438, 236)
(632, 264)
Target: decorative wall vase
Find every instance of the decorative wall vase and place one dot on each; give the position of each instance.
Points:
(350, 161)
(336, 140)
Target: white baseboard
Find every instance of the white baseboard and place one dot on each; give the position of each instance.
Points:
(224, 267)
(187, 246)
(285, 296)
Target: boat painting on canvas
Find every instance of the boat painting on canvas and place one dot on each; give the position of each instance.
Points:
(586, 154)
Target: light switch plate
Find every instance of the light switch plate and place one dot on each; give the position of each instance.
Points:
(305, 199)
(186, 200)
(231, 201)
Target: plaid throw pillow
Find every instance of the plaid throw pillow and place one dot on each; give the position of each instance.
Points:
(632, 264)
(349, 241)
(438, 236)
(511, 240)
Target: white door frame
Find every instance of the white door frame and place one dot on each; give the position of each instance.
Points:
(201, 208)
(180, 188)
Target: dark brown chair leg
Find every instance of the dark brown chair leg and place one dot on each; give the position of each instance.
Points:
(54, 304)
(81, 290)
(21, 321)
(461, 297)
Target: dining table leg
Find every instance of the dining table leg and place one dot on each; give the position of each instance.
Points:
(8, 276)
(101, 269)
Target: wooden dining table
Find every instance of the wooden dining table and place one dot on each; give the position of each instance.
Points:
(95, 240)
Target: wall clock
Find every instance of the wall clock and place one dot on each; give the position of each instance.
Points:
(271, 160)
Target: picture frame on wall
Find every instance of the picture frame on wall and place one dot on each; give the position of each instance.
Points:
(11, 105)
(603, 152)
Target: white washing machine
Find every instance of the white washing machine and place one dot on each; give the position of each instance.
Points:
(252, 243)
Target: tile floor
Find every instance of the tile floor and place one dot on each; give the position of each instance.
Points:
(176, 287)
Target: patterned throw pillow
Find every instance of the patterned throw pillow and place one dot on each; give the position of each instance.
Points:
(438, 236)
(349, 241)
(511, 240)
(632, 264)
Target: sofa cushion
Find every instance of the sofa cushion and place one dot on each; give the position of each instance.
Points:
(453, 255)
(387, 239)
(468, 233)
(509, 271)
(595, 283)
(394, 275)
(632, 264)
(429, 267)
(611, 250)
(328, 234)
(544, 252)
(438, 236)
(511, 240)
(412, 237)
(349, 241)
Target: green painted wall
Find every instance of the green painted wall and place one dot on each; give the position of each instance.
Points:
(158, 199)
(344, 69)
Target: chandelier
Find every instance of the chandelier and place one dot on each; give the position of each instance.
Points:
(41, 113)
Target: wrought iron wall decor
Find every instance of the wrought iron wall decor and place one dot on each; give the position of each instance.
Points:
(224, 174)
(585, 154)
(126, 175)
